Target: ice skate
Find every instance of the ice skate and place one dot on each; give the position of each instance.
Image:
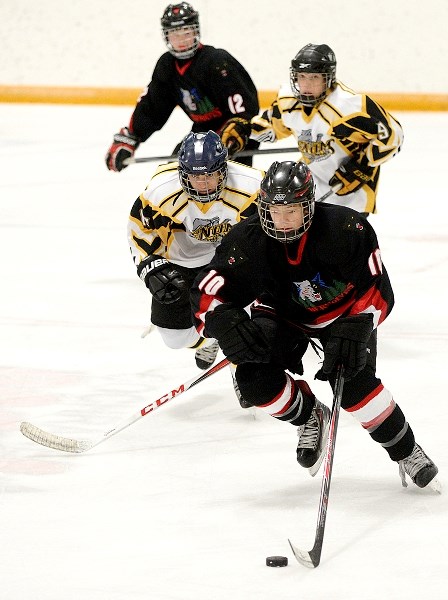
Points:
(241, 400)
(313, 438)
(206, 355)
(420, 469)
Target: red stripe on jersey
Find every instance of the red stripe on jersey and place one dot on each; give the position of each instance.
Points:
(371, 298)
(182, 68)
(330, 316)
(300, 249)
(204, 305)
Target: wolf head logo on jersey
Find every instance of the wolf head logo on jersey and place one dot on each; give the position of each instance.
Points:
(199, 108)
(315, 291)
(307, 292)
(188, 101)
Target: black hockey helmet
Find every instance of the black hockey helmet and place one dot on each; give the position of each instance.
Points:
(180, 16)
(287, 184)
(313, 58)
(202, 154)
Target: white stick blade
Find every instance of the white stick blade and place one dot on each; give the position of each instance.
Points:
(53, 441)
(303, 557)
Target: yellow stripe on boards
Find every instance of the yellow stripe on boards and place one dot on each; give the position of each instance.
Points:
(392, 101)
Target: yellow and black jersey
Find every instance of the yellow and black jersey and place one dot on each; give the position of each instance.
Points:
(164, 220)
(344, 125)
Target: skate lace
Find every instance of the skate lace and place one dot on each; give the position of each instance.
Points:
(412, 464)
(308, 433)
(208, 353)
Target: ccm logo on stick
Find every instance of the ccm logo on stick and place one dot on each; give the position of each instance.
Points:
(161, 400)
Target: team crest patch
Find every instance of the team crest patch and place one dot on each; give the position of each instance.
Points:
(210, 230)
(308, 291)
(314, 149)
(315, 293)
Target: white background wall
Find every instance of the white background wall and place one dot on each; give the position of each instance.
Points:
(384, 46)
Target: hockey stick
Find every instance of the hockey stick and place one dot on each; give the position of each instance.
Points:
(333, 190)
(77, 446)
(311, 558)
(325, 196)
(254, 152)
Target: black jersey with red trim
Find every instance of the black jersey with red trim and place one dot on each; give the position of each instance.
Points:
(333, 270)
(211, 87)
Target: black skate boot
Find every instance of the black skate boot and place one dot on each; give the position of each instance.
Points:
(241, 400)
(206, 355)
(419, 467)
(312, 438)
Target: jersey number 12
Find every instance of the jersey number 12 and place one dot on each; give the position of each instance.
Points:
(236, 104)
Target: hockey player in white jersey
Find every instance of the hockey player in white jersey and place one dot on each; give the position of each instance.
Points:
(344, 136)
(177, 223)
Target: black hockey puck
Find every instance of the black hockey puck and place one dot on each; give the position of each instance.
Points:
(277, 561)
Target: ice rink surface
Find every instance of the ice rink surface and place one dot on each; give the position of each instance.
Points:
(186, 503)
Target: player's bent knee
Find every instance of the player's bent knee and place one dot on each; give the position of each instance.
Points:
(179, 338)
(260, 382)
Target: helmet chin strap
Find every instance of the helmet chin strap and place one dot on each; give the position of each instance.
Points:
(308, 100)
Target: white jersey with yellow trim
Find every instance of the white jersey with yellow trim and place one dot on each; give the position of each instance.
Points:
(345, 124)
(164, 220)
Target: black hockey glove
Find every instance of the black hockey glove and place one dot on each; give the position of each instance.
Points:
(123, 146)
(292, 359)
(285, 350)
(352, 175)
(347, 345)
(161, 278)
(235, 134)
(240, 338)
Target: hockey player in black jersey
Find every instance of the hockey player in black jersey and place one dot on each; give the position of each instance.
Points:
(207, 83)
(308, 272)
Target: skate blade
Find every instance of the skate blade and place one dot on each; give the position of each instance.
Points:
(147, 331)
(435, 485)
